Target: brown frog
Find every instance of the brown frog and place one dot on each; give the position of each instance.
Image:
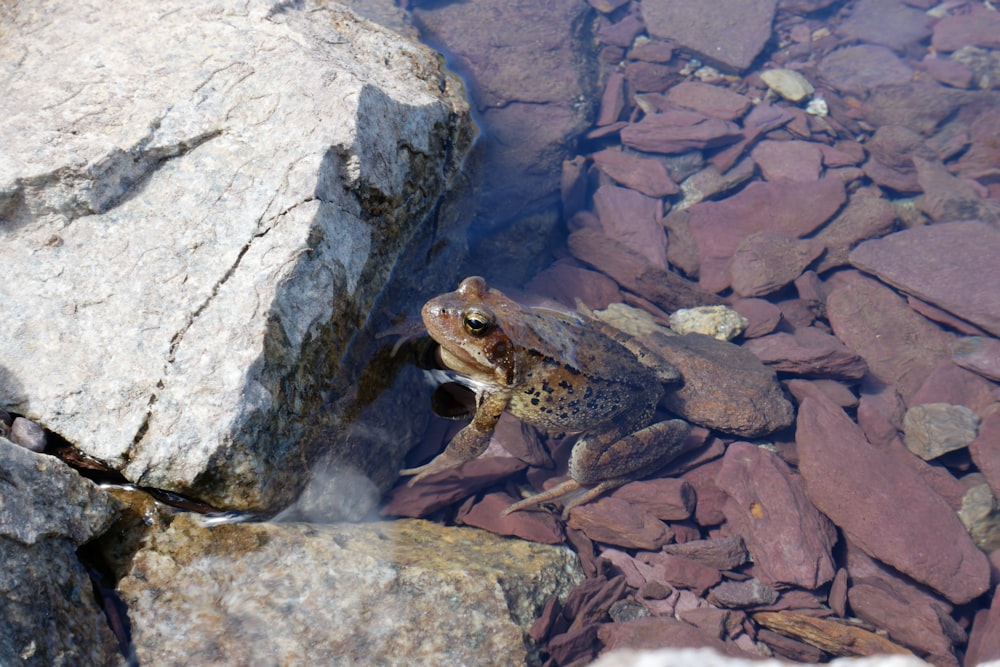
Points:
(561, 373)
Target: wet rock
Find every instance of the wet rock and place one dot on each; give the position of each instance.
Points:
(710, 498)
(788, 83)
(977, 28)
(863, 218)
(985, 449)
(310, 583)
(723, 553)
(951, 265)
(919, 106)
(646, 175)
(789, 540)
(447, 487)
(899, 346)
(834, 391)
(719, 322)
(809, 352)
(795, 161)
(729, 36)
(984, 640)
(980, 514)
(222, 261)
(567, 281)
(885, 508)
(488, 514)
(49, 613)
(651, 50)
(28, 434)
(679, 132)
(793, 209)
(614, 521)
(947, 198)
(947, 71)
(725, 387)
(982, 159)
(912, 616)
(708, 182)
(649, 77)
(763, 316)
(765, 262)
(666, 289)
(947, 383)
(740, 594)
(528, 113)
(680, 572)
(855, 70)
(933, 429)
(666, 498)
(709, 100)
(978, 354)
(632, 219)
(657, 632)
(892, 24)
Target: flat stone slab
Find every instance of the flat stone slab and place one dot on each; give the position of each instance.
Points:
(729, 35)
(953, 265)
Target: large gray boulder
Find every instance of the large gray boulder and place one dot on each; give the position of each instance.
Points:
(199, 204)
(382, 593)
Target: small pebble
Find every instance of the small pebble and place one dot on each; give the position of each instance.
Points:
(28, 434)
(788, 83)
(719, 322)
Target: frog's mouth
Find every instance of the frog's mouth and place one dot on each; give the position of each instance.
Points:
(461, 362)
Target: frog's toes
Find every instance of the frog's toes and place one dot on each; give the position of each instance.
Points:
(557, 491)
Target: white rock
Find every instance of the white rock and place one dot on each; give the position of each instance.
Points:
(788, 83)
(199, 204)
(719, 322)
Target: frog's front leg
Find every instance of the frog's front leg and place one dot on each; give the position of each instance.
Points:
(609, 460)
(468, 443)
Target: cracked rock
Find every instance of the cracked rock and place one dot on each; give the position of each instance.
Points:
(197, 221)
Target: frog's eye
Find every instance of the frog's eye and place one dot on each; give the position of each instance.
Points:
(477, 322)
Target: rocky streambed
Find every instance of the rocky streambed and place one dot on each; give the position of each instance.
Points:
(198, 224)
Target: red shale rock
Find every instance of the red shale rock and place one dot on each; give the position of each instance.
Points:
(666, 498)
(789, 539)
(793, 209)
(614, 521)
(709, 100)
(984, 642)
(810, 352)
(899, 346)
(952, 265)
(633, 219)
(645, 175)
(765, 262)
(730, 35)
(795, 161)
(679, 132)
(885, 508)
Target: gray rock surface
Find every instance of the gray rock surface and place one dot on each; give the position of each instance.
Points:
(933, 429)
(339, 594)
(48, 610)
(199, 206)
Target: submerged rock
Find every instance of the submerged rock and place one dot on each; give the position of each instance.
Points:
(728, 35)
(201, 207)
(364, 594)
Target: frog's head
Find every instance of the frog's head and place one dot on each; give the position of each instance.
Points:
(476, 327)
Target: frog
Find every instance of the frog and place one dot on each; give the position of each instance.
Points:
(562, 372)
